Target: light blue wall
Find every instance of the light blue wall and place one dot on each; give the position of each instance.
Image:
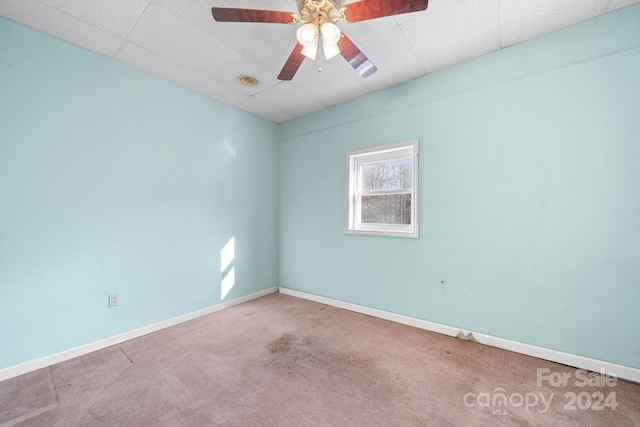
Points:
(530, 195)
(114, 181)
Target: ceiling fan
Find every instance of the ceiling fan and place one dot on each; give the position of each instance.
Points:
(319, 18)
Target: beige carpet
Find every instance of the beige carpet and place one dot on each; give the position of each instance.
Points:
(283, 361)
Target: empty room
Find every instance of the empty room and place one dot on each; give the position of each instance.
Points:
(319, 213)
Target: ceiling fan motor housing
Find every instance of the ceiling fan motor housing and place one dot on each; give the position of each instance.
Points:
(318, 12)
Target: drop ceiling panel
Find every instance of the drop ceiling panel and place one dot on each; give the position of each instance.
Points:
(172, 38)
(114, 16)
(406, 17)
(198, 12)
(259, 108)
(153, 64)
(335, 83)
(362, 32)
(58, 24)
(395, 59)
(617, 4)
(268, 45)
(290, 99)
(525, 20)
(454, 32)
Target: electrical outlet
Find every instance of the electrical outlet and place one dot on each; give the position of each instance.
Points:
(113, 300)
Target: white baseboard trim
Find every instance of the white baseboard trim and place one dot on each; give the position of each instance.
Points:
(43, 362)
(621, 371)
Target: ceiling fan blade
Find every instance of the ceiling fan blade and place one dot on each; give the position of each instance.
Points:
(293, 63)
(355, 57)
(371, 9)
(226, 14)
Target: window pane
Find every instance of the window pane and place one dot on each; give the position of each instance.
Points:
(386, 209)
(386, 175)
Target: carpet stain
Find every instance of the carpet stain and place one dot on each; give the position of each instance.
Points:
(305, 362)
(299, 355)
(282, 344)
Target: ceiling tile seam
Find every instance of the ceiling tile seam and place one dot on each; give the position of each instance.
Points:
(133, 27)
(500, 25)
(195, 24)
(265, 103)
(409, 42)
(417, 14)
(158, 54)
(426, 72)
(317, 100)
(177, 65)
(376, 87)
(261, 64)
(395, 18)
(607, 5)
(289, 113)
(206, 31)
(46, 5)
(307, 110)
(346, 66)
(337, 99)
(238, 52)
(203, 33)
(320, 101)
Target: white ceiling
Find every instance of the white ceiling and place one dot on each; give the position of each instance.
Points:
(179, 41)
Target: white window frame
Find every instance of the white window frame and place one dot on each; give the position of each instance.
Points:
(400, 150)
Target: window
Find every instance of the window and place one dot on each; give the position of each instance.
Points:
(382, 190)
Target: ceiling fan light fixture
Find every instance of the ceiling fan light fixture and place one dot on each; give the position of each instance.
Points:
(308, 37)
(310, 50)
(306, 34)
(330, 38)
(330, 32)
(330, 50)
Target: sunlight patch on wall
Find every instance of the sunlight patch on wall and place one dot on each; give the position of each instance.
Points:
(227, 282)
(227, 256)
(229, 148)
